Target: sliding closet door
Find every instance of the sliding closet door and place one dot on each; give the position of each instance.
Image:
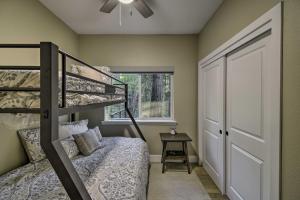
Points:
(213, 120)
(248, 122)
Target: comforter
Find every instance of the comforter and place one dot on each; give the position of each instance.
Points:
(119, 170)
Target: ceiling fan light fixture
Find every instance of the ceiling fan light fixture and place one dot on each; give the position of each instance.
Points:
(126, 1)
(140, 5)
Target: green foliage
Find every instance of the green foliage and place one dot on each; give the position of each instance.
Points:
(149, 96)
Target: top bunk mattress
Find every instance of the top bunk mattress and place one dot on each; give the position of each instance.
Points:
(31, 79)
(119, 170)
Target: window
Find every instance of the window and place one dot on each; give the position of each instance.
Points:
(149, 97)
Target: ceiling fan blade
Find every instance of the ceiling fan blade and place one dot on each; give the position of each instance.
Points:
(109, 5)
(143, 8)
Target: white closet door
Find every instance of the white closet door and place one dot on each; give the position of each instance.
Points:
(248, 122)
(213, 120)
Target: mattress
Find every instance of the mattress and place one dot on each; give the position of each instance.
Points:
(31, 79)
(119, 170)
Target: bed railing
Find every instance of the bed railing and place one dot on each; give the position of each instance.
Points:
(50, 110)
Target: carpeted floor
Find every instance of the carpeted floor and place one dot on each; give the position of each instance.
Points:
(177, 184)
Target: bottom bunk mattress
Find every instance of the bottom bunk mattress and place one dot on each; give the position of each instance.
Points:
(119, 170)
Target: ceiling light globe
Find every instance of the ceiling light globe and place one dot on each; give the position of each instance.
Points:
(126, 1)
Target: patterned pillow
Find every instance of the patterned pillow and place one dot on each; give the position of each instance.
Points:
(70, 147)
(67, 129)
(87, 142)
(31, 141)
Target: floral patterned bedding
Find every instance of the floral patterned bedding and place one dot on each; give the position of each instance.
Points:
(31, 79)
(119, 170)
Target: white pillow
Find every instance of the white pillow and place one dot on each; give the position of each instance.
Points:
(97, 132)
(71, 128)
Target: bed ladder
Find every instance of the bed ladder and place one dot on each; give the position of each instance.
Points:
(130, 115)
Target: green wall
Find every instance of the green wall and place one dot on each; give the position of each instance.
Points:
(26, 21)
(232, 17)
(291, 101)
(179, 51)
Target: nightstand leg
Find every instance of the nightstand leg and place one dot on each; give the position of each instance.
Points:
(183, 150)
(162, 152)
(187, 157)
(164, 156)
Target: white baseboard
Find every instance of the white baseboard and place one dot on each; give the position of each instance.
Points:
(157, 159)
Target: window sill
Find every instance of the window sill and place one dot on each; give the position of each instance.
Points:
(141, 122)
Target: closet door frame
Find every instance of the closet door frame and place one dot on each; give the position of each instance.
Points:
(270, 21)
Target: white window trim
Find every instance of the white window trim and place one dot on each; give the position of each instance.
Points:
(172, 98)
(162, 122)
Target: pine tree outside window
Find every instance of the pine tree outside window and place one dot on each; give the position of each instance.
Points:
(150, 97)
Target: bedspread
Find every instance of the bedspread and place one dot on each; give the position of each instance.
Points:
(119, 170)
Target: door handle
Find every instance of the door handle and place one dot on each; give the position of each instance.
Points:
(227, 133)
(220, 131)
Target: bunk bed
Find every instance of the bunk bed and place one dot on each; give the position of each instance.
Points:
(51, 92)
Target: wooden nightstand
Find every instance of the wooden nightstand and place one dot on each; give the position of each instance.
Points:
(182, 155)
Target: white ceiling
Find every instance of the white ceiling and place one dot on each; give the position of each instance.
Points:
(170, 16)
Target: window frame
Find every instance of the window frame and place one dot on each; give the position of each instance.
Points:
(153, 120)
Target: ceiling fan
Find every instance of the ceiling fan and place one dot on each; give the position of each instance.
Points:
(140, 5)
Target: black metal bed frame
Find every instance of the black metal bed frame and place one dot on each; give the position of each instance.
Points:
(50, 111)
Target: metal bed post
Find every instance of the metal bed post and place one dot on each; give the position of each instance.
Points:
(63, 80)
(64, 85)
(49, 124)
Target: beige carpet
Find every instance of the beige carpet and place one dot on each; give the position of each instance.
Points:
(176, 184)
